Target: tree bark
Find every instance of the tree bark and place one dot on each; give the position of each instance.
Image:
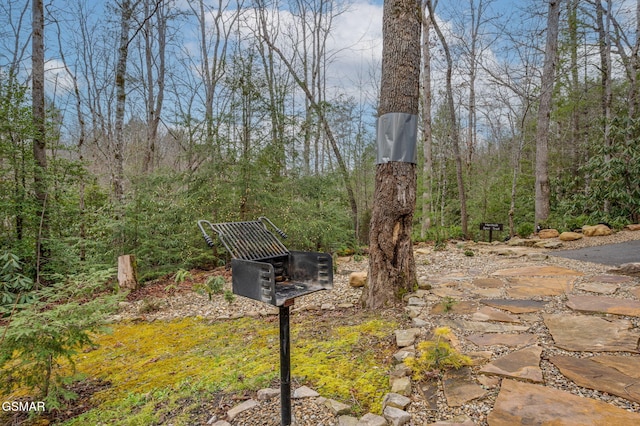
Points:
(391, 262)
(543, 191)
(39, 138)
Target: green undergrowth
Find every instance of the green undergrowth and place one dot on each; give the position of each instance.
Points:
(169, 370)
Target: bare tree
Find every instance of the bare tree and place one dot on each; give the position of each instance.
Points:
(39, 124)
(454, 134)
(267, 37)
(427, 142)
(155, 46)
(542, 189)
(127, 9)
(391, 262)
(213, 44)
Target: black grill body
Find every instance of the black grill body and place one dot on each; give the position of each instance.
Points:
(263, 268)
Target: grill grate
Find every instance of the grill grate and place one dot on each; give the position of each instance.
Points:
(249, 240)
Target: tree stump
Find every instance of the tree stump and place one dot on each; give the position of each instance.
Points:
(127, 277)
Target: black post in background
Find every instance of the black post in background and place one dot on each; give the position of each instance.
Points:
(285, 367)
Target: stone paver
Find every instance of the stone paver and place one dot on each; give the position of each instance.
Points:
(460, 387)
(598, 287)
(519, 306)
(446, 292)
(607, 305)
(482, 326)
(429, 391)
(592, 334)
(539, 286)
(511, 340)
(522, 364)
(629, 365)
(591, 374)
(536, 271)
(614, 279)
(488, 282)
(490, 314)
(521, 403)
(458, 307)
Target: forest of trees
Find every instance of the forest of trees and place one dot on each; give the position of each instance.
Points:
(140, 117)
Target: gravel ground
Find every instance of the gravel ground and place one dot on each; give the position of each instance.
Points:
(155, 305)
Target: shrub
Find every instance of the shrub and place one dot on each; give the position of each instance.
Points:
(524, 230)
(52, 328)
(213, 285)
(14, 287)
(436, 355)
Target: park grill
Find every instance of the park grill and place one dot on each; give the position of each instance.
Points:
(264, 269)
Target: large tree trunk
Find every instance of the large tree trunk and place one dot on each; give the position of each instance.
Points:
(543, 191)
(391, 263)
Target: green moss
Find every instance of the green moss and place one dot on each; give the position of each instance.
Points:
(151, 366)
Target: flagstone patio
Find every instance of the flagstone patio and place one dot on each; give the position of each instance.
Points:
(539, 315)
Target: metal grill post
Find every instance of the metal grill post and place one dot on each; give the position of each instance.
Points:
(264, 269)
(285, 367)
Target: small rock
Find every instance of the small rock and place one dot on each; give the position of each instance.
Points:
(396, 416)
(371, 419)
(633, 227)
(570, 236)
(413, 311)
(268, 394)
(418, 322)
(395, 400)
(400, 370)
(537, 257)
(596, 230)
(406, 337)
(304, 392)
(347, 421)
(520, 242)
(247, 405)
(337, 407)
(548, 233)
(358, 279)
(401, 385)
(220, 423)
(417, 301)
(327, 307)
(403, 353)
(627, 269)
(423, 284)
(456, 421)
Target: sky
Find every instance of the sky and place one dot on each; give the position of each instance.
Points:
(355, 44)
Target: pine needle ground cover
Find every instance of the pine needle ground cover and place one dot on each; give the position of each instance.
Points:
(174, 370)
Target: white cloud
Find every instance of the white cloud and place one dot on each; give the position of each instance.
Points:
(57, 79)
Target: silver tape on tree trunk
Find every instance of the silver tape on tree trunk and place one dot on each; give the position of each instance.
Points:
(397, 138)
